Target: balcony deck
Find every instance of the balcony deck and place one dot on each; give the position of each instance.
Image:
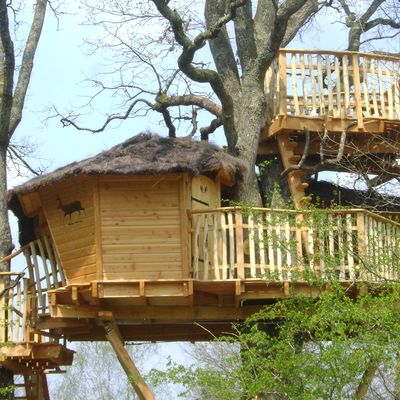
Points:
(317, 89)
(241, 260)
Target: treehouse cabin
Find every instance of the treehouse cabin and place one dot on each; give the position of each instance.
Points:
(135, 244)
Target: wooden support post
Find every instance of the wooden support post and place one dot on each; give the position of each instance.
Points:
(114, 337)
(282, 84)
(357, 93)
(361, 244)
(239, 245)
(3, 314)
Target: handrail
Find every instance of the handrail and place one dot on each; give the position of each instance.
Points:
(301, 211)
(345, 85)
(351, 244)
(341, 52)
(22, 300)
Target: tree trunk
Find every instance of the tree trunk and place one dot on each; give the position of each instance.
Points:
(250, 120)
(274, 188)
(6, 376)
(5, 233)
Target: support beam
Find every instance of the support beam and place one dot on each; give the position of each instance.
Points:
(114, 337)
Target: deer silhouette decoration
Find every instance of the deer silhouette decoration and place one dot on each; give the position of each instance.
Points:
(70, 208)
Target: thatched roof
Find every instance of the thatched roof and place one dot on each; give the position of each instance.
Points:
(146, 154)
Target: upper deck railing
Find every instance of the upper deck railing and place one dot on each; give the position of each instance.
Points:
(345, 85)
(279, 245)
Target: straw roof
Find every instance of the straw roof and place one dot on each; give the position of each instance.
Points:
(146, 154)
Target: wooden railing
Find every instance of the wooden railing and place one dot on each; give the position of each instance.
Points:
(229, 243)
(24, 295)
(346, 85)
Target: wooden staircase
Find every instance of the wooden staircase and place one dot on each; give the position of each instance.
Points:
(287, 143)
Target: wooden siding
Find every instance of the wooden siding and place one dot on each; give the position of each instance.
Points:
(205, 193)
(73, 231)
(140, 227)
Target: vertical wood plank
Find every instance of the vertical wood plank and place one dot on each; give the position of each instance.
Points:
(196, 244)
(97, 228)
(299, 242)
(283, 84)
(60, 267)
(294, 85)
(365, 86)
(339, 111)
(340, 247)
(36, 274)
(261, 243)
(374, 87)
(44, 264)
(357, 92)
(184, 225)
(381, 90)
(19, 307)
(313, 88)
(320, 85)
(311, 239)
(239, 245)
(24, 309)
(289, 265)
(3, 314)
(271, 255)
(330, 86)
(224, 245)
(215, 247)
(278, 247)
(349, 247)
(346, 86)
(389, 90)
(52, 261)
(252, 246)
(232, 249)
(205, 248)
(304, 85)
(396, 89)
(361, 242)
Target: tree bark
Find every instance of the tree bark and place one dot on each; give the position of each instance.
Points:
(5, 234)
(274, 188)
(366, 380)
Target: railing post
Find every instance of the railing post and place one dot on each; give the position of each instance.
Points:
(361, 234)
(282, 84)
(3, 313)
(239, 245)
(357, 92)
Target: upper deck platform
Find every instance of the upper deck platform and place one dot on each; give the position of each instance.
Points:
(315, 90)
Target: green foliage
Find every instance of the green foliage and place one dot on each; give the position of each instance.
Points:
(302, 348)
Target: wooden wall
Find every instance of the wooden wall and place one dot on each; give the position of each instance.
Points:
(73, 226)
(125, 228)
(143, 227)
(206, 193)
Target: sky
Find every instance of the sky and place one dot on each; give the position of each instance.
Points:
(61, 64)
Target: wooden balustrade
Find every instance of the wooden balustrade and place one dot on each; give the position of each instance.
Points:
(25, 295)
(344, 85)
(289, 245)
